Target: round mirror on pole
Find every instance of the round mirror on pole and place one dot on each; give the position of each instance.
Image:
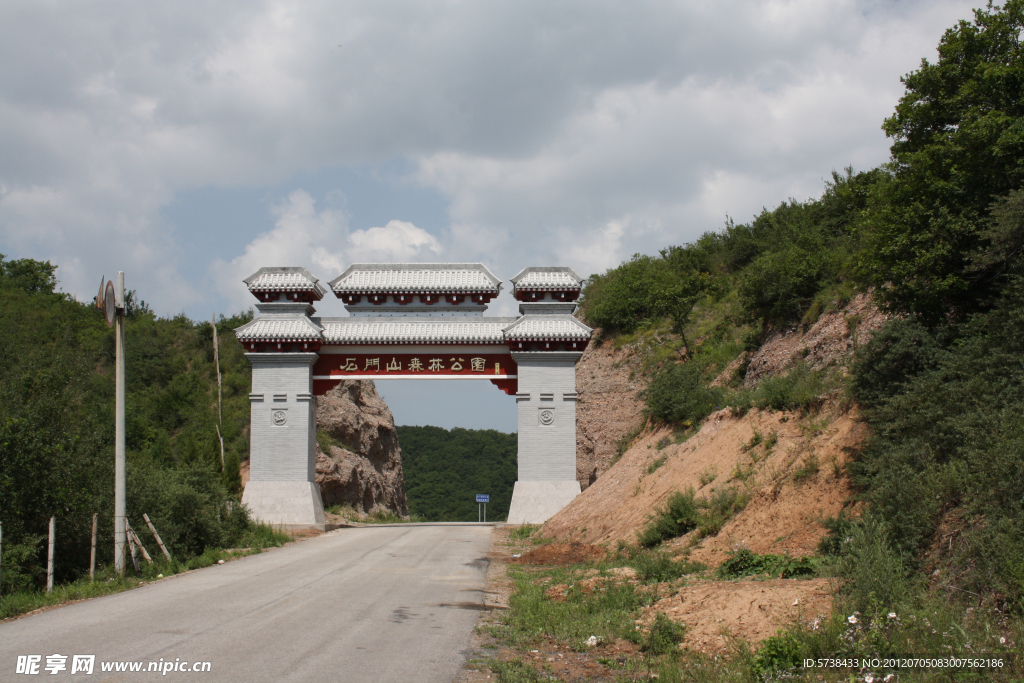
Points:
(109, 305)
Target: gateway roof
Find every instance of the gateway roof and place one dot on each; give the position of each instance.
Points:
(284, 279)
(546, 279)
(415, 278)
(279, 330)
(548, 327)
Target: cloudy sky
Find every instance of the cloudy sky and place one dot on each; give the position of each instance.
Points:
(190, 143)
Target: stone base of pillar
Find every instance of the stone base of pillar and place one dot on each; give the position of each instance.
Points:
(291, 505)
(535, 502)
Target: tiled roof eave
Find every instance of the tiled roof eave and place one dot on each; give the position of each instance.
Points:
(546, 288)
(282, 288)
(279, 340)
(414, 292)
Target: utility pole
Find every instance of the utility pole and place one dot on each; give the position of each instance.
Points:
(119, 482)
(220, 412)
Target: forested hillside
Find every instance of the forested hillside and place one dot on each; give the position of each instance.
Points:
(935, 236)
(445, 469)
(57, 427)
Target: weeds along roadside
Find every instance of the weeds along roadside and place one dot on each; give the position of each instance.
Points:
(558, 609)
(585, 607)
(254, 541)
(348, 513)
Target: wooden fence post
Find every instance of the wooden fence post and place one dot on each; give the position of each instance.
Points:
(92, 550)
(138, 542)
(49, 555)
(156, 536)
(131, 547)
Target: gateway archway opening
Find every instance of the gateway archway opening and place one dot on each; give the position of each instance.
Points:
(469, 405)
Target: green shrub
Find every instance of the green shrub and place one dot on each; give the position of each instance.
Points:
(780, 285)
(189, 506)
(836, 541)
(950, 437)
(743, 562)
(901, 350)
(777, 654)
(679, 516)
(684, 513)
(876, 571)
(800, 388)
(707, 475)
(679, 394)
(663, 636)
(642, 289)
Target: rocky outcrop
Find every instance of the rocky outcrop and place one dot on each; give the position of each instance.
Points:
(364, 466)
(831, 340)
(608, 408)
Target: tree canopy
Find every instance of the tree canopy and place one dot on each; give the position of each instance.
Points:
(958, 146)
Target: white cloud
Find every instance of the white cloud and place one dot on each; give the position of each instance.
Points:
(397, 241)
(301, 237)
(321, 242)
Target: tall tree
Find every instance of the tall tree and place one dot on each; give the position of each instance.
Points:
(958, 145)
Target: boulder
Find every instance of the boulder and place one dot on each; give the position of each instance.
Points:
(363, 467)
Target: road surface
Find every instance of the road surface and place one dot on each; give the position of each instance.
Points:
(382, 603)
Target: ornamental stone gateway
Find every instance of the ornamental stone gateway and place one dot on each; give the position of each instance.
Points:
(410, 321)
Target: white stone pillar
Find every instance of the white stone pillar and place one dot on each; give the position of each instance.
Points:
(282, 487)
(546, 402)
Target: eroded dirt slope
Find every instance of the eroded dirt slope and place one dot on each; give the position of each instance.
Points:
(793, 483)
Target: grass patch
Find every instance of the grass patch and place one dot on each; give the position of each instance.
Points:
(514, 671)
(376, 517)
(389, 517)
(677, 517)
(325, 441)
(707, 476)
(523, 532)
(623, 444)
(608, 612)
(718, 508)
(653, 467)
(653, 566)
(809, 467)
(800, 389)
(13, 604)
(754, 442)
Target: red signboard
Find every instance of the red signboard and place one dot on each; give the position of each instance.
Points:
(331, 367)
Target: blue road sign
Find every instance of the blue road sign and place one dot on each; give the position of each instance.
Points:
(483, 498)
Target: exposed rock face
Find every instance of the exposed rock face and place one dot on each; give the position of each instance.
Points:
(364, 466)
(608, 382)
(831, 340)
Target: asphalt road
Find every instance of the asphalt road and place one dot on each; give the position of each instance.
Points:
(387, 603)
